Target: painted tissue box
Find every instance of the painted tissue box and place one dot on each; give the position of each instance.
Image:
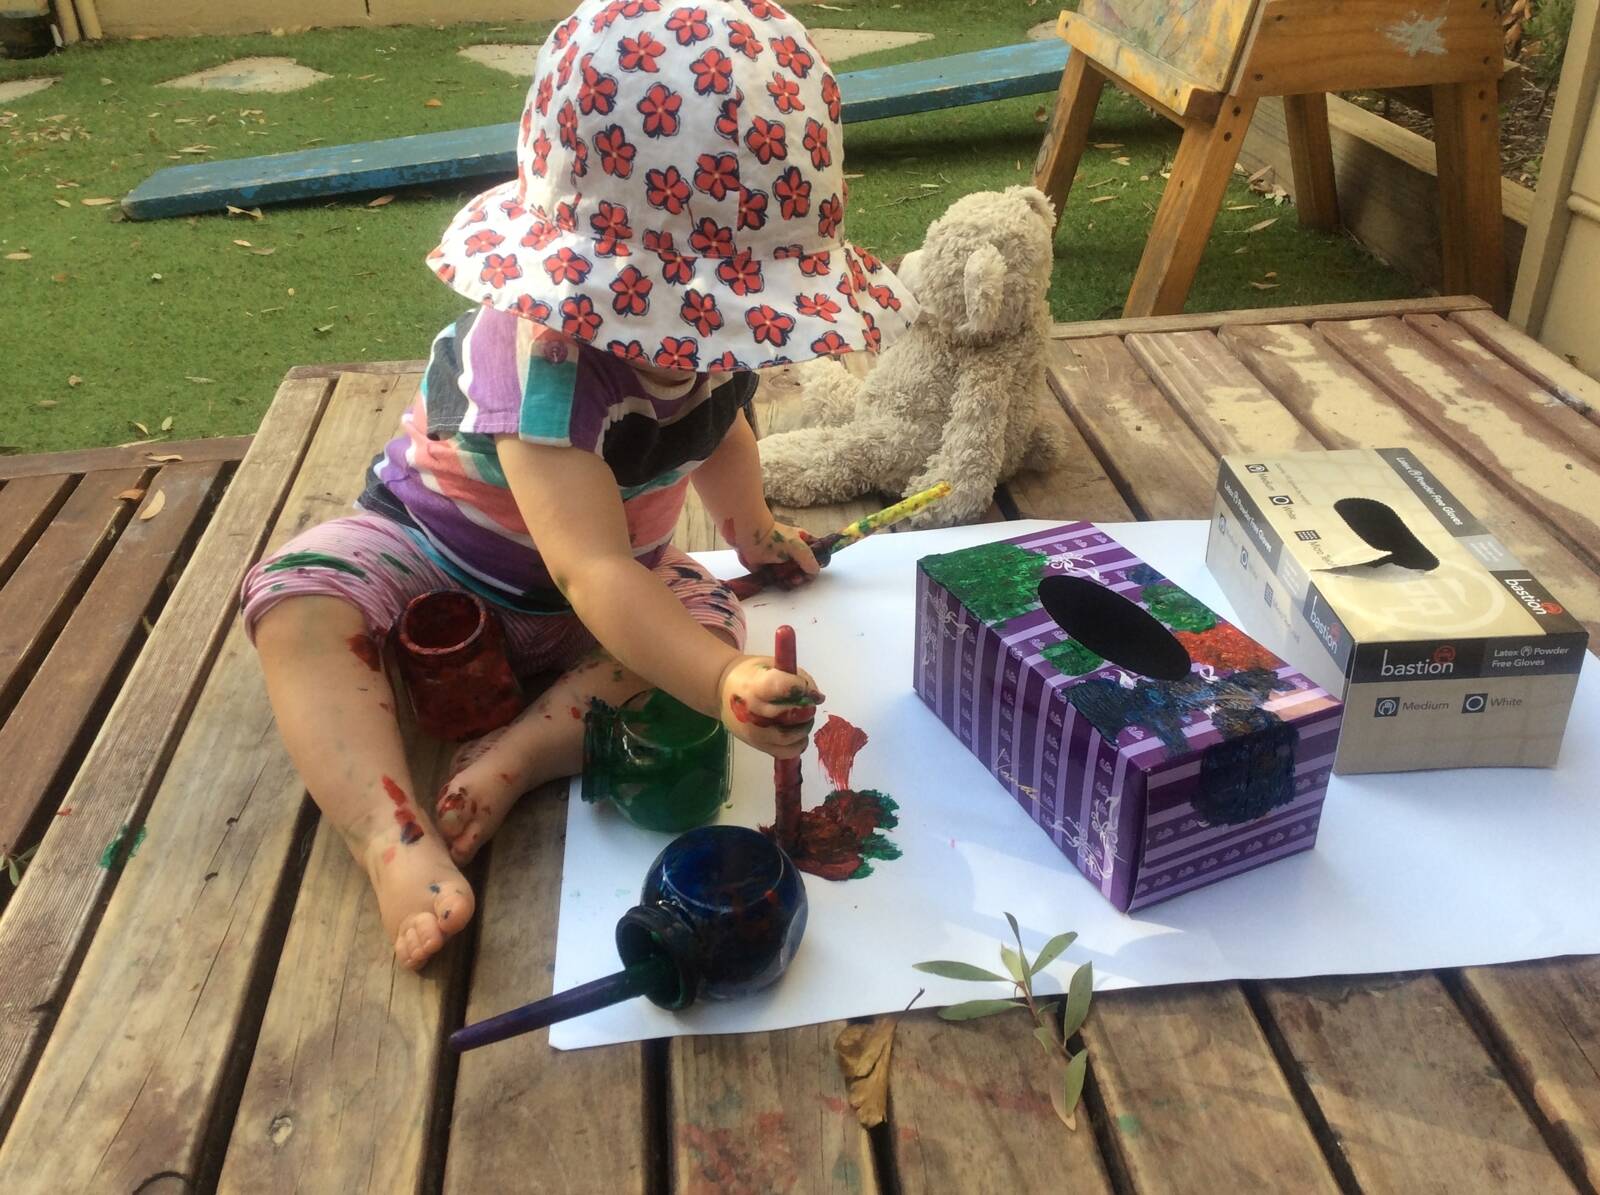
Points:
(1158, 746)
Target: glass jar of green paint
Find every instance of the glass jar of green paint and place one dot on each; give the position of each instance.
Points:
(661, 764)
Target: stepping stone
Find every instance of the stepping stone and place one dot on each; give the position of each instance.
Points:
(252, 74)
(17, 88)
(835, 44)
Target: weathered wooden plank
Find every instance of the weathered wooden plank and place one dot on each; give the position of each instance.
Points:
(341, 1090)
(51, 719)
(1077, 488)
(412, 365)
(1574, 387)
(1492, 370)
(491, 149)
(1410, 1093)
(1213, 320)
(1195, 1100)
(765, 1112)
(971, 1112)
(26, 508)
(1345, 410)
(128, 456)
(529, 1118)
(1521, 456)
(1201, 40)
(1222, 400)
(1156, 461)
(46, 585)
(1173, 92)
(44, 931)
(1544, 1018)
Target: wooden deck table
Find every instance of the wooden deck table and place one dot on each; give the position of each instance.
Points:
(218, 1009)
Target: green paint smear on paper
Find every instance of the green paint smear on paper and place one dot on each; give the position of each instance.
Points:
(114, 856)
(1177, 609)
(396, 561)
(875, 845)
(997, 582)
(313, 560)
(1072, 657)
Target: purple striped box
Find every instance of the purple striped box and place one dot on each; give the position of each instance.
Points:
(1151, 787)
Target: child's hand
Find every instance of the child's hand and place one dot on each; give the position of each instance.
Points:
(771, 710)
(786, 548)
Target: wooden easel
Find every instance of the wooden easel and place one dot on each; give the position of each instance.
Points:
(1205, 63)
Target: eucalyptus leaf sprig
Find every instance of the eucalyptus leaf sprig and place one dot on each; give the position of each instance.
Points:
(12, 866)
(1067, 1068)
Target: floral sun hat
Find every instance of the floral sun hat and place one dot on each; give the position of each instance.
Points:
(680, 195)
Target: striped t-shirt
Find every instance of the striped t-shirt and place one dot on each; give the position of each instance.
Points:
(492, 373)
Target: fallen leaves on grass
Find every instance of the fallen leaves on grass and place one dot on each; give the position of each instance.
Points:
(199, 381)
(166, 424)
(19, 255)
(433, 103)
(62, 202)
(154, 507)
(266, 251)
(323, 329)
(74, 380)
(100, 201)
(1108, 145)
(44, 404)
(1102, 199)
(242, 244)
(253, 212)
(1260, 224)
(382, 201)
(1241, 207)
(139, 427)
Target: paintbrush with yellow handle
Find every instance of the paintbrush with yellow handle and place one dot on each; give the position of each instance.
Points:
(789, 574)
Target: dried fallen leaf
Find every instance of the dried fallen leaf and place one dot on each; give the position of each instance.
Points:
(1265, 285)
(153, 507)
(1241, 207)
(63, 203)
(46, 403)
(242, 244)
(20, 255)
(166, 424)
(62, 277)
(1259, 225)
(1102, 199)
(139, 427)
(1120, 161)
(324, 329)
(155, 277)
(1039, 114)
(199, 381)
(267, 252)
(253, 213)
(382, 201)
(433, 103)
(864, 1052)
(162, 458)
(132, 495)
(1108, 145)
(74, 380)
(96, 202)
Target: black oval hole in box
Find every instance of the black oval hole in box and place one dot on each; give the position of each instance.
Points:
(1380, 527)
(1112, 627)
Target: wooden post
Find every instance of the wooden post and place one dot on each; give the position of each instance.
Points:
(1188, 209)
(90, 16)
(1466, 122)
(67, 22)
(1311, 156)
(1063, 146)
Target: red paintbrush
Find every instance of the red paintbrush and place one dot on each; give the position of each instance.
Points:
(786, 772)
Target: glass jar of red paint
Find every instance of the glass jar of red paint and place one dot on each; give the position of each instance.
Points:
(452, 656)
(664, 766)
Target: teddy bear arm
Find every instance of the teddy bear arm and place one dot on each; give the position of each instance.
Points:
(833, 464)
(970, 453)
(831, 393)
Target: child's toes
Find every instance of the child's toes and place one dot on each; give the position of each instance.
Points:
(464, 846)
(419, 940)
(453, 908)
(453, 810)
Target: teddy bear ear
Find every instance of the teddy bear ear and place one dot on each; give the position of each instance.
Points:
(1037, 200)
(983, 287)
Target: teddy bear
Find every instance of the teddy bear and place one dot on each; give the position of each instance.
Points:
(957, 397)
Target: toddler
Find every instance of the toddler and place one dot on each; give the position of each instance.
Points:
(675, 224)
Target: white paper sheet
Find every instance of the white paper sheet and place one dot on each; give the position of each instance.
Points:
(1410, 871)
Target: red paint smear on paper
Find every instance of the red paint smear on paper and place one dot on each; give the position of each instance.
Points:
(831, 836)
(837, 745)
(365, 649)
(410, 832)
(1227, 648)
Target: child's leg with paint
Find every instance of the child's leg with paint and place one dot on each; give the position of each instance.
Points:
(312, 610)
(546, 742)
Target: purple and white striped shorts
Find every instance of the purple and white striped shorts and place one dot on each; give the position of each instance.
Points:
(373, 563)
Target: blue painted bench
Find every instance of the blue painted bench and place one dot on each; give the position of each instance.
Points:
(491, 149)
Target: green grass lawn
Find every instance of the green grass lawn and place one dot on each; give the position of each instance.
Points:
(109, 323)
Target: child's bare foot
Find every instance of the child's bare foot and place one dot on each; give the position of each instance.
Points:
(422, 896)
(475, 800)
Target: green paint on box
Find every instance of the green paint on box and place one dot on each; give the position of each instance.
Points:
(1176, 608)
(1072, 657)
(997, 582)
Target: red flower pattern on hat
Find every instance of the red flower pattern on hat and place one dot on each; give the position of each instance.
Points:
(680, 196)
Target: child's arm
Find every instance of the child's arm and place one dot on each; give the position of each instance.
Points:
(729, 484)
(568, 498)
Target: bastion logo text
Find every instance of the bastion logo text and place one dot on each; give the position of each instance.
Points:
(1441, 663)
(1539, 605)
(1328, 632)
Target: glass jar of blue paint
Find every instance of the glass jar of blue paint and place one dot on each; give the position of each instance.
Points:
(662, 765)
(724, 908)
